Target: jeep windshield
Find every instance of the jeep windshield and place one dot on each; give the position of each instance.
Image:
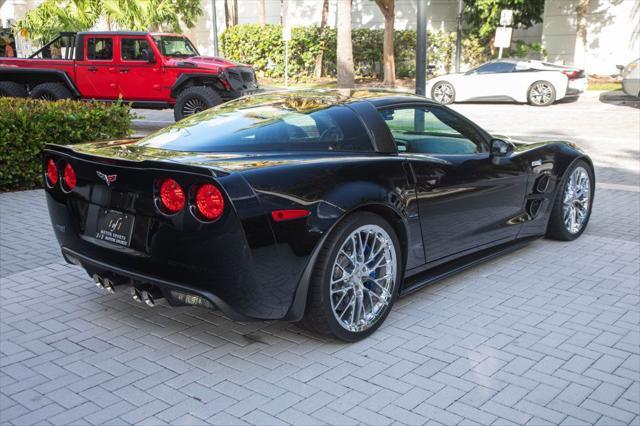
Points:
(175, 46)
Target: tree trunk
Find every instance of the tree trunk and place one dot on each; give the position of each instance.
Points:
(262, 13)
(317, 71)
(582, 9)
(387, 7)
(345, 48)
(231, 12)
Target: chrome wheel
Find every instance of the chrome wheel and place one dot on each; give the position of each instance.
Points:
(363, 278)
(541, 93)
(443, 93)
(576, 201)
(193, 106)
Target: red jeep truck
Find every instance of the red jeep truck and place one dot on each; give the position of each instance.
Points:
(147, 69)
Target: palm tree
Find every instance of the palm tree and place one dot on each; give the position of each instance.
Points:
(317, 71)
(345, 49)
(582, 9)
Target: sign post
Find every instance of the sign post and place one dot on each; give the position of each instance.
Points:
(503, 33)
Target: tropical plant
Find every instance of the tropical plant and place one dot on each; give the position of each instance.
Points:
(54, 16)
(483, 16)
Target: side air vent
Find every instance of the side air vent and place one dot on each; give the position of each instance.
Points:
(533, 207)
(542, 184)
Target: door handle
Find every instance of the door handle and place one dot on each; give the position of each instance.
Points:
(92, 69)
(123, 70)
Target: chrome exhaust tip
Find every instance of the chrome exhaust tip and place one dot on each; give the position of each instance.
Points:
(108, 285)
(98, 280)
(148, 299)
(136, 295)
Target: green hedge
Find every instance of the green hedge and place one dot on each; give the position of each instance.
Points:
(27, 125)
(263, 47)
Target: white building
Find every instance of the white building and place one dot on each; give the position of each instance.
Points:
(613, 26)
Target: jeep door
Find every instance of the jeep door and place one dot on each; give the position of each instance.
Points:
(97, 73)
(140, 70)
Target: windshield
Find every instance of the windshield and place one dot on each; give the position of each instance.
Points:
(273, 122)
(175, 46)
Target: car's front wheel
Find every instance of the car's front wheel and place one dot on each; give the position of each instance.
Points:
(541, 93)
(195, 99)
(572, 206)
(355, 280)
(443, 93)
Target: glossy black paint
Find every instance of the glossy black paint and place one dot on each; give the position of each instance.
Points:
(443, 207)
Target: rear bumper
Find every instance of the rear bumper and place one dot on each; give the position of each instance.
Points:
(576, 86)
(136, 278)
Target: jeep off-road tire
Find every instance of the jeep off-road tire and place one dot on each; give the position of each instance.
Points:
(195, 99)
(12, 89)
(51, 92)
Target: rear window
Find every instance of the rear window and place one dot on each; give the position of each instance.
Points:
(266, 123)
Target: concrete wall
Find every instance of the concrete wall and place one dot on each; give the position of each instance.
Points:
(613, 30)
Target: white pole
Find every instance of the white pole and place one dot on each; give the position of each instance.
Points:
(500, 53)
(286, 63)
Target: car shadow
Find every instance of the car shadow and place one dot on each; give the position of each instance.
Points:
(618, 97)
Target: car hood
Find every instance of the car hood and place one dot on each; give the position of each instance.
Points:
(205, 62)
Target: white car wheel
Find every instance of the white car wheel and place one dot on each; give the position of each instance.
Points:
(541, 93)
(443, 93)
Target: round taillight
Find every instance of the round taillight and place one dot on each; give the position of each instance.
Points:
(68, 177)
(209, 202)
(172, 196)
(52, 172)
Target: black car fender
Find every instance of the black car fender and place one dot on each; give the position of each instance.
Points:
(195, 79)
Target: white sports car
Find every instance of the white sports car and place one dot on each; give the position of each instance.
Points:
(508, 80)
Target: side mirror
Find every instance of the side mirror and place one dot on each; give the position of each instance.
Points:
(500, 149)
(620, 67)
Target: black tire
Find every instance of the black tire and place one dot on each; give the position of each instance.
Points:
(556, 229)
(11, 89)
(193, 100)
(448, 88)
(319, 316)
(51, 92)
(541, 93)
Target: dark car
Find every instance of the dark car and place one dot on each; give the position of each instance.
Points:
(319, 207)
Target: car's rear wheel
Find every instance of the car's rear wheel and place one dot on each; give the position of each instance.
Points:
(51, 92)
(572, 206)
(195, 99)
(355, 279)
(443, 93)
(541, 93)
(12, 90)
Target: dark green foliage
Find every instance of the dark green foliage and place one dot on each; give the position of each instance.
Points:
(27, 125)
(263, 47)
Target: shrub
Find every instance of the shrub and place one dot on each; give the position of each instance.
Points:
(27, 125)
(263, 47)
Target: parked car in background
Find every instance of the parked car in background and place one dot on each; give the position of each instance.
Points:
(631, 78)
(151, 70)
(317, 206)
(509, 80)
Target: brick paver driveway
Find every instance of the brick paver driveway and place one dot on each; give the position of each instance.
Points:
(549, 334)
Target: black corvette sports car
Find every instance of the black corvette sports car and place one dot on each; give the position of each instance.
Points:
(319, 207)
